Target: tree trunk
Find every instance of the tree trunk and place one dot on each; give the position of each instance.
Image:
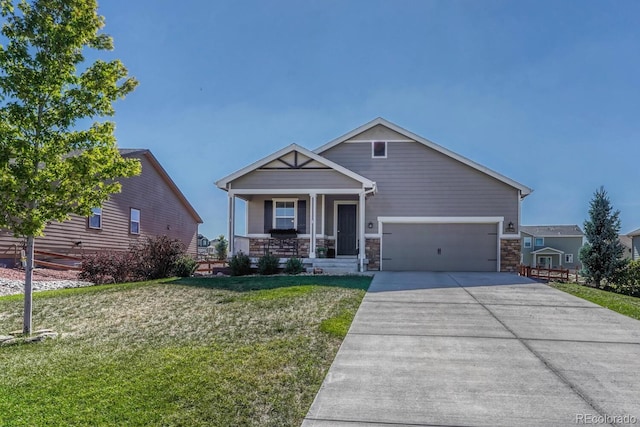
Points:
(28, 291)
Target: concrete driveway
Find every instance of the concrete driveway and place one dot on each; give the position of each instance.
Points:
(480, 349)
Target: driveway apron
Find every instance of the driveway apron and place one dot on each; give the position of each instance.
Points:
(480, 349)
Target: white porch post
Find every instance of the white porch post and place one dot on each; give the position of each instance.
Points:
(312, 224)
(361, 228)
(232, 223)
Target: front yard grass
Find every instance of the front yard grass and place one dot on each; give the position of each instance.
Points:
(196, 352)
(623, 304)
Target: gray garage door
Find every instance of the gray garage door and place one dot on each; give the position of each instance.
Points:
(439, 247)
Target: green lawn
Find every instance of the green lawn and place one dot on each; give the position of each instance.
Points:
(629, 306)
(191, 352)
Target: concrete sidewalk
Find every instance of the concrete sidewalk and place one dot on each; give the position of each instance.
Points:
(480, 349)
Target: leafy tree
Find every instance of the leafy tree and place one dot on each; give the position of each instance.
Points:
(601, 257)
(50, 166)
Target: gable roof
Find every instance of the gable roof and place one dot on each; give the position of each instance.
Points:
(634, 233)
(547, 250)
(552, 230)
(313, 157)
(138, 152)
(410, 135)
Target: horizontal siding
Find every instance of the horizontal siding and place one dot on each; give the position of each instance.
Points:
(255, 211)
(161, 213)
(378, 133)
(295, 178)
(415, 180)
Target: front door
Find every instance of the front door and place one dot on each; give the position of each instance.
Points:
(346, 228)
(544, 262)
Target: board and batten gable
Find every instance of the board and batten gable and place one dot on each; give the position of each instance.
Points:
(163, 211)
(416, 180)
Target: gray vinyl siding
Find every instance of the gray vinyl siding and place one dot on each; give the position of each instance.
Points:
(329, 210)
(415, 180)
(255, 211)
(635, 247)
(295, 178)
(378, 133)
(161, 213)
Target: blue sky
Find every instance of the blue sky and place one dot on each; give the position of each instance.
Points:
(544, 92)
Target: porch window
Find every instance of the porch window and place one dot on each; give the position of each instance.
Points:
(379, 149)
(284, 214)
(539, 241)
(95, 219)
(134, 221)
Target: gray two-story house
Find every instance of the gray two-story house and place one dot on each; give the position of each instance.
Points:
(551, 246)
(383, 196)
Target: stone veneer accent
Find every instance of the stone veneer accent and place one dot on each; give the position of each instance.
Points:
(258, 247)
(509, 255)
(372, 252)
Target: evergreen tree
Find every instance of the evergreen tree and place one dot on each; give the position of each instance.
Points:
(601, 257)
(50, 166)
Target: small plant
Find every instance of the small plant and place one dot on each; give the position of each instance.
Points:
(221, 248)
(185, 266)
(268, 264)
(240, 264)
(293, 266)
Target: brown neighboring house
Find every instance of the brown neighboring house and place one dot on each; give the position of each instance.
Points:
(150, 204)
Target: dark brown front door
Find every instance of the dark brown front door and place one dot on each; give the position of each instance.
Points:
(346, 241)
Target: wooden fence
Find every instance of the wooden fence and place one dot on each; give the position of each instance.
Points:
(208, 266)
(549, 274)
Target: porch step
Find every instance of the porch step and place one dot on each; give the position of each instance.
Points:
(335, 265)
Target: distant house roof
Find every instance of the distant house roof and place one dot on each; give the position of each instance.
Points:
(625, 240)
(552, 230)
(133, 152)
(524, 190)
(634, 233)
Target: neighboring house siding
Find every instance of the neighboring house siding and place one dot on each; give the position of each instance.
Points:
(415, 180)
(635, 247)
(294, 178)
(568, 245)
(161, 213)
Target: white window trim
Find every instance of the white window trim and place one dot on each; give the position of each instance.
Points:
(131, 221)
(527, 239)
(373, 156)
(295, 212)
(541, 238)
(568, 258)
(99, 227)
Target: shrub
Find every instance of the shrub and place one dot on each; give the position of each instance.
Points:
(293, 266)
(108, 267)
(628, 282)
(157, 257)
(221, 248)
(240, 264)
(185, 266)
(268, 264)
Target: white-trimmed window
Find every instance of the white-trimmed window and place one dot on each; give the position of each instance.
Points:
(379, 149)
(539, 241)
(527, 242)
(285, 214)
(95, 219)
(134, 221)
(568, 258)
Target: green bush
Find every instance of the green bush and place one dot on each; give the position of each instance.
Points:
(268, 264)
(240, 264)
(293, 266)
(628, 282)
(185, 266)
(221, 248)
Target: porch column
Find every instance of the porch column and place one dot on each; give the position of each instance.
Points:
(312, 224)
(232, 223)
(361, 228)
